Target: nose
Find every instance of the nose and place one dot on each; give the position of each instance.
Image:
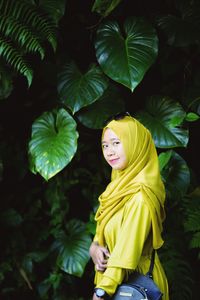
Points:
(110, 151)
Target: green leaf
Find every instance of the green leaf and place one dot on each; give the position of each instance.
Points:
(94, 115)
(28, 16)
(104, 7)
(53, 142)
(55, 279)
(24, 29)
(176, 120)
(178, 271)
(54, 195)
(43, 288)
(192, 223)
(73, 246)
(176, 175)
(91, 225)
(15, 59)
(161, 116)
(195, 241)
(164, 158)
(126, 57)
(77, 90)
(191, 117)
(21, 35)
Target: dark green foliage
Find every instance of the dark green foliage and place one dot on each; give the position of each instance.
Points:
(24, 29)
(47, 217)
(104, 7)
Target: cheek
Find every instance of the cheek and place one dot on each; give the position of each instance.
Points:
(124, 159)
(122, 153)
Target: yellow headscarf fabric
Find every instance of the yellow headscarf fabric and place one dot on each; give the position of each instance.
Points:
(140, 175)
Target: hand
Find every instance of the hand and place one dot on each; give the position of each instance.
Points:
(99, 256)
(96, 298)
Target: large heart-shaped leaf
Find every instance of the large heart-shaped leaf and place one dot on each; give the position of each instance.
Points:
(53, 142)
(73, 247)
(126, 54)
(94, 115)
(77, 90)
(176, 175)
(163, 117)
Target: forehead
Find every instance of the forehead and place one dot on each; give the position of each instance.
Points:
(109, 135)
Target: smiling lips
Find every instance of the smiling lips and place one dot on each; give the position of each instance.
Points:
(113, 161)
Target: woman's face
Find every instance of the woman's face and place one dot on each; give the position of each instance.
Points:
(113, 150)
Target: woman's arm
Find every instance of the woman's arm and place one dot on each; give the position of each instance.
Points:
(129, 244)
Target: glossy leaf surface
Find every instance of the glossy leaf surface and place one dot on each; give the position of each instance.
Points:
(53, 142)
(73, 246)
(77, 90)
(163, 117)
(125, 54)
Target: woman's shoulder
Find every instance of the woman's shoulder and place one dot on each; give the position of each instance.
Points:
(136, 207)
(136, 200)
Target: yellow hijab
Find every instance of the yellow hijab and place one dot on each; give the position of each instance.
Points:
(141, 175)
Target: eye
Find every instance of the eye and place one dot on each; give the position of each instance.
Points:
(116, 143)
(104, 146)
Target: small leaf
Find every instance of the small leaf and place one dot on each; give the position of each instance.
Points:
(53, 142)
(191, 117)
(126, 58)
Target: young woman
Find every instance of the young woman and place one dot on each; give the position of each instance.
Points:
(131, 211)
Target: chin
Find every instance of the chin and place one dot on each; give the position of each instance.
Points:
(117, 168)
